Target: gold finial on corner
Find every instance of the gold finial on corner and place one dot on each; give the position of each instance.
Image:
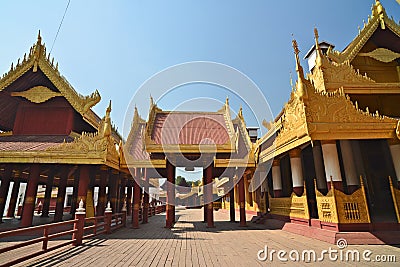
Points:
(107, 122)
(108, 111)
(300, 87)
(318, 60)
(39, 39)
(227, 101)
(240, 113)
(151, 102)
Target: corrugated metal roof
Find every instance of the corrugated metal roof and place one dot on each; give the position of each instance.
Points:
(189, 128)
(31, 143)
(136, 148)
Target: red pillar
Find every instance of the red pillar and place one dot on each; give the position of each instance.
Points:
(84, 180)
(4, 187)
(121, 197)
(30, 196)
(61, 190)
(13, 199)
(47, 194)
(145, 198)
(232, 202)
(242, 202)
(113, 190)
(170, 216)
(204, 201)
(209, 195)
(136, 202)
(129, 197)
(74, 201)
(101, 202)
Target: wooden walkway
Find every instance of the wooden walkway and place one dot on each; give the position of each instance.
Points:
(190, 243)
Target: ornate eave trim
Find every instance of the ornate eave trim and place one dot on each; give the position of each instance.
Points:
(332, 116)
(331, 73)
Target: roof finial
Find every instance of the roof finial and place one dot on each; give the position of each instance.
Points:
(39, 39)
(151, 101)
(227, 101)
(318, 60)
(108, 111)
(135, 115)
(300, 88)
(107, 122)
(240, 113)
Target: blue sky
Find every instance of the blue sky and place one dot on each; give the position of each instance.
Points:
(115, 46)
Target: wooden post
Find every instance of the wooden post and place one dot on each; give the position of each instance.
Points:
(145, 198)
(13, 199)
(121, 197)
(30, 196)
(108, 218)
(84, 180)
(242, 204)
(80, 224)
(47, 194)
(101, 203)
(209, 195)
(75, 193)
(136, 202)
(123, 210)
(4, 187)
(232, 202)
(62, 187)
(129, 198)
(170, 216)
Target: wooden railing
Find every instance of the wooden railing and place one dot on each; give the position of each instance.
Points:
(338, 207)
(396, 198)
(293, 206)
(45, 236)
(94, 226)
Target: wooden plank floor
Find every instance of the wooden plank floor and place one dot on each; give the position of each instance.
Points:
(190, 243)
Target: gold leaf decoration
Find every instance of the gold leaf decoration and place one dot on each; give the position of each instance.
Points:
(37, 94)
(382, 54)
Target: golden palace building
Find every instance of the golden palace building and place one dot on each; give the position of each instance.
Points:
(336, 153)
(330, 160)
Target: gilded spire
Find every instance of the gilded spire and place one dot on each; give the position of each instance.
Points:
(39, 39)
(300, 87)
(108, 111)
(378, 10)
(240, 113)
(318, 59)
(38, 50)
(151, 101)
(107, 122)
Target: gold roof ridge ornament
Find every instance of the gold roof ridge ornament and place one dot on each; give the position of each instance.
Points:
(37, 94)
(301, 91)
(318, 59)
(106, 130)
